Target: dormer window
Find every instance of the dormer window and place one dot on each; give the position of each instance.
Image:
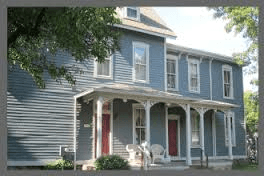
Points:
(132, 13)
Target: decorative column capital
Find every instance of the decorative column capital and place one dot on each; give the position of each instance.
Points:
(184, 106)
(148, 104)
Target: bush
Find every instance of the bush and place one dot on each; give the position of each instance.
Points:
(60, 164)
(111, 162)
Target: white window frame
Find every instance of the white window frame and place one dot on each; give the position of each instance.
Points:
(228, 68)
(110, 58)
(175, 58)
(233, 130)
(146, 46)
(132, 18)
(194, 61)
(136, 106)
(199, 128)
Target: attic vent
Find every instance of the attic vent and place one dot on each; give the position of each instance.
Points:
(132, 13)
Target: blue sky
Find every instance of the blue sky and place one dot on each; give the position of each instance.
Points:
(196, 28)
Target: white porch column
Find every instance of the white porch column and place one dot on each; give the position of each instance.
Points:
(202, 132)
(188, 136)
(166, 127)
(99, 126)
(229, 137)
(147, 115)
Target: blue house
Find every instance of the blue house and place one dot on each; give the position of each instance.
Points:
(185, 100)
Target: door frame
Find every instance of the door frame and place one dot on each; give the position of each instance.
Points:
(177, 118)
(111, 129)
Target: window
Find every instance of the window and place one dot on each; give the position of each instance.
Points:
(139, 124)
(132, 13)
(103, 70)
(140, 62)
(233, 137)
(195, 121)
(172, 72)
(227, 81)
(194, 77)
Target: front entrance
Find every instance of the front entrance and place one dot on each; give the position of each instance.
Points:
(174, 136)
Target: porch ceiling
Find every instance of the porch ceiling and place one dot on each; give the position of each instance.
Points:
(124, 91)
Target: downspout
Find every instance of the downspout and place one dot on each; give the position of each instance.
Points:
(210, 69)
(165, 65)
(74, 133)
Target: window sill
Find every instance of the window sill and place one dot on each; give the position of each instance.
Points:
(131, 18)
(141, 81)
(104, 77)
(230, 98)
(171, 89)
(196, 92)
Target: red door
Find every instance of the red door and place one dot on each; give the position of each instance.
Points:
(105, 134)
(172, 130)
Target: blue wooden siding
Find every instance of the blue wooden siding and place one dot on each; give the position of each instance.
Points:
(41, 120)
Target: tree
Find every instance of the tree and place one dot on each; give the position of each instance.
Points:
(35, 33)
(251, 102)
(243, 20)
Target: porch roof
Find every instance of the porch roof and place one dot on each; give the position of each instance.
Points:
(124, 91)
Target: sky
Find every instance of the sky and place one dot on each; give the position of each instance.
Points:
(196, 28)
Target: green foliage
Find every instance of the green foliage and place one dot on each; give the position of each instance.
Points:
(60, 165)
(36, 33)
(110, 162)
(243, 20)
(251, 101)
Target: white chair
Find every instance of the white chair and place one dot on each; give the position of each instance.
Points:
(132, 149)
(158, 152)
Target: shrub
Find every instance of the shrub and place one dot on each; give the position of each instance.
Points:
(60, 164)
(111, 162)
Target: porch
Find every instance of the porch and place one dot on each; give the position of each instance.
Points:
(143, 115)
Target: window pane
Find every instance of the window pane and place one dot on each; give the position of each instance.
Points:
(142, 115)
(227, 77)
(138, 117)
(195, 122)
(171, 66)
(171, 81)
(142, 135)
(140, 72)
(194, 83)
(103, 68)
(131, 12)
(227, 90)
(137, 135)
(140, 55)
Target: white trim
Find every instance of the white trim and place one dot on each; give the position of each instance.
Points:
(136, 106)
(177, 118)
(165, 65)
(176, 59)
(111, 130)
(188, 136)
(110, 58)
(232, 114)
(166, 128)
(75, 131)
(194, 61)
(132, 18)
(214, 134)
(99, 107)
(144, 31)
(95, 137)
(146, 46)
(228, 68)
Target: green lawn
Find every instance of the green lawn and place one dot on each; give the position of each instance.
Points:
(246, 167)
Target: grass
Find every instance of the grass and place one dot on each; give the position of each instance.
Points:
(245, 167)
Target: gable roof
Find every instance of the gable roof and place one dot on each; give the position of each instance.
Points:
(150, 22)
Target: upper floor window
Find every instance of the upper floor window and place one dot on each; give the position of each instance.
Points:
(195, 121)
(194, 75)
(104, 69)
(172, 72)
(232, 123)
(140, 62)
(227, 81)
(132, 13)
